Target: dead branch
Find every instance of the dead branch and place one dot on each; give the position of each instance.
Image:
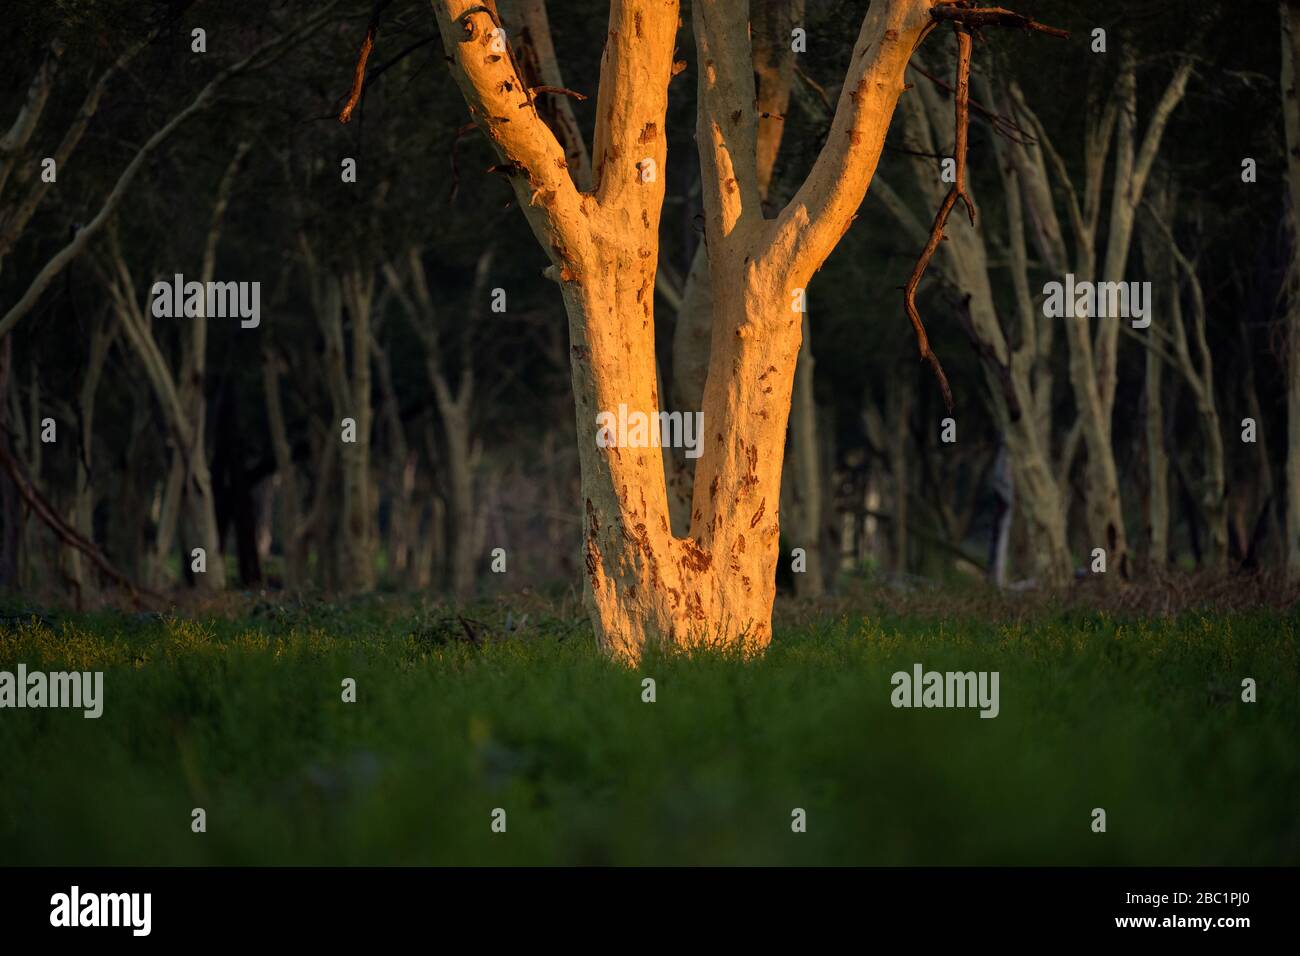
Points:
(965, 18)
(359, 77)
(972, 17)
(957, 191)
(560, 90)
(359, 74)
(1002, 125)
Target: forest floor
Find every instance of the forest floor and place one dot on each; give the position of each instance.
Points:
(239, 710)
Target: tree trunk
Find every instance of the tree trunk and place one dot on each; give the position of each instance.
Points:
(355, 515)
(802, 489)
(1017, 383)
(11, 510)
(643, 585)
(901, 415)
(288, 500)
(460, 460)
(1157, 466)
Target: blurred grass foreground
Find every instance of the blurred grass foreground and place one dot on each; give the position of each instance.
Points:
(240, 711)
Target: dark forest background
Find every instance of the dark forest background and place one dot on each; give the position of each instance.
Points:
(471, 442)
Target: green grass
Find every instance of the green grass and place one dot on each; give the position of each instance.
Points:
(243, 717)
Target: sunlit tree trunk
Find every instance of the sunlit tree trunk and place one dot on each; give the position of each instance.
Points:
(643, 584)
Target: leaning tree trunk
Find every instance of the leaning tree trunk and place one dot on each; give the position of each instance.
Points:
(189, 483)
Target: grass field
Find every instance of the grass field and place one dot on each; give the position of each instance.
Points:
(241, 714)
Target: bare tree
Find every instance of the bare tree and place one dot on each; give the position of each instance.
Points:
(643, 583)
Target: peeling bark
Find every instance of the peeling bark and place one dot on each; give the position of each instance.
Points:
(643, 584)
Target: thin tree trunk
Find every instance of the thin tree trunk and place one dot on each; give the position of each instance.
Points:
(288, 503)
(11, 515)
(802, 489)
(356, 518)
(901, 415)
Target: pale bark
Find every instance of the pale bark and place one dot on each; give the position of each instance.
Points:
(1016, 377)
(773, 62)
(454, 400)
(527, 20)
(349, 389)
(182, 398)
(16, 222)
(183, 411)
(1160, 267)
(101, 339)
(1093, 362)
(1134, 162)
(802, 482)
(1193, 362)
(715, 586)
(15, 140)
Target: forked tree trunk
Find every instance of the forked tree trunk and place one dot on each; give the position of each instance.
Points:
(1189, 355)
(188, 488)
(454, 399)
(716, 585)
